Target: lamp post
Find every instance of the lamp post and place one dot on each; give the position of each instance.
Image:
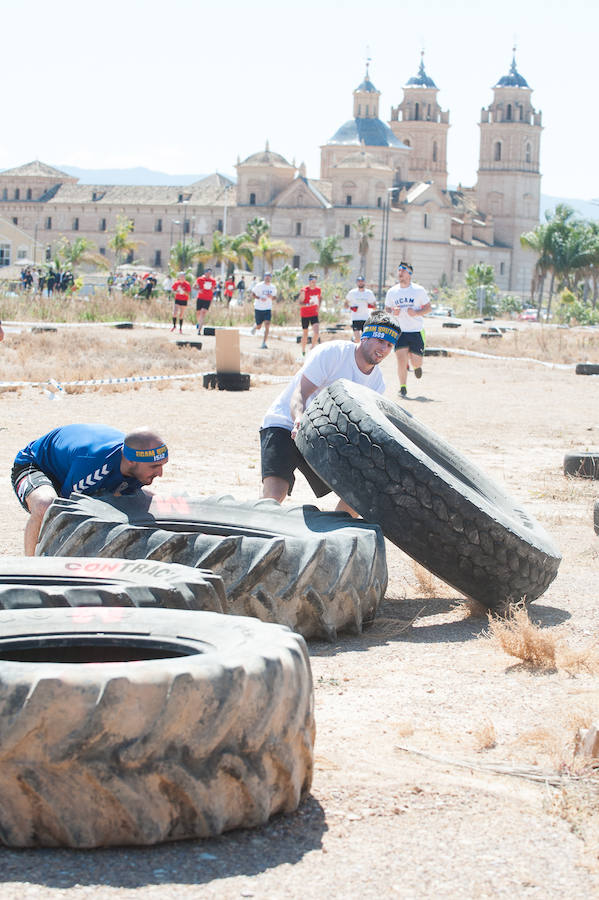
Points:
(384, 243)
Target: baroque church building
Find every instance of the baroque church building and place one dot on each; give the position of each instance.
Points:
(393, 172)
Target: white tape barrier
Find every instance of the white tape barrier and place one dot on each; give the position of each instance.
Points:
(56, 389)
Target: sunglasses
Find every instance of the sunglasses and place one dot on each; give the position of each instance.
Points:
(406, 266)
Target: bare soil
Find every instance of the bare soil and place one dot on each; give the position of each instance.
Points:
(431, 741)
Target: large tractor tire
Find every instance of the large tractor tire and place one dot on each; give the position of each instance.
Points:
(128, 726)
(582, 465)
(34, 582)
(429, 499)
(317, 572)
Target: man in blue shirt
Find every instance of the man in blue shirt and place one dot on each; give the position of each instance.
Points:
(88, 459)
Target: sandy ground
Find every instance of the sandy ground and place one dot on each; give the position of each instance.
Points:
(384, 821)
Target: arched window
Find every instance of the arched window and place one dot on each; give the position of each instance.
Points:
(498, 151)
(29, 193)
(17, 194)
(407, 142)
(366, 110)
(509, 112)
(435, 151)
(528, 152)
(252, 199)
(417, 111)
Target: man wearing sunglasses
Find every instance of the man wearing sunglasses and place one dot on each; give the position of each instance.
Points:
(409, 302)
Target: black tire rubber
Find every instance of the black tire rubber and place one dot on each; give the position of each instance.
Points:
(123, 324)
(35, 582)
(451, 325)
(209, 380)
(209, 331)
(317, 572)
(43, 329)
(587, 369)
(435, 351)
(192, 724)
(582, 465)
(197, 345)
(233, 381)
(486, 335)
(430, 501)
(596, 517)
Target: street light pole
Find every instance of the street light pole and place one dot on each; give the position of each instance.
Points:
(384, 240)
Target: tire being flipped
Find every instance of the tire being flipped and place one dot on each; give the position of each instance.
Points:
(317, 572)
(34, 582)
(429, 500)
(192, 724)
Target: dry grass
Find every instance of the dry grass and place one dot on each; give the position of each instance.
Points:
(485, 737)
(547, 343)
(429, 585)
(538, 648)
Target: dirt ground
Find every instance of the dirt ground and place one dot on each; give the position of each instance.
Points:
(383, 819)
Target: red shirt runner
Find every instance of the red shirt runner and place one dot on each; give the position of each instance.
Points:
(182, 290)
(310, 301)
(205, 285)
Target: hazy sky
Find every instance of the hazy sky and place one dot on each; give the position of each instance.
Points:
(182, 87)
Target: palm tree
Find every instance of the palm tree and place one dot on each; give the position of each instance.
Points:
(364, 228)
(121, 243)
(330, 256)
(270, 249)
(539, 241)
(243, 248)
(219, 251)
(81, 250)
(183, 255)
(256, 228)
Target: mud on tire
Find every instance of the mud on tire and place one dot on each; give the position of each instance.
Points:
(429, 500)
(317, 572)
(193, 724)
(34, 582)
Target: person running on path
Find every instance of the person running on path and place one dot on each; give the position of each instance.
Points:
(361, 302)
(229, 289)
(410, 303)
(181, 289)
(325, 364)
(205, 285)
(87, 459)
(264, 292)
(310, 301)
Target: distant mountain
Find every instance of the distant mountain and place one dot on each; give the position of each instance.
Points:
(138, 175)
(586, 209)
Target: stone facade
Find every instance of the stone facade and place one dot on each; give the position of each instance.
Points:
(395, 173)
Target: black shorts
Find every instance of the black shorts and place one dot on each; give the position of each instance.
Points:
(413, 340)
(262, 315)
(203, 304)
(309, 320)
(358, 324)
(27, 477)
(280, 458)
(180, 302)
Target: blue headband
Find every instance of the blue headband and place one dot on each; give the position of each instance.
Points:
(383, 332)
(156, 454)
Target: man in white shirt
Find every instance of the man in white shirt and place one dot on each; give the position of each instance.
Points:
(409, 302)
(264, 293)
(324, 365)
(361, 301)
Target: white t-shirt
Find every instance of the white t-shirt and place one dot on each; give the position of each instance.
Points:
(364, 301)
(263, 295)
(325, 364)
(399, 300)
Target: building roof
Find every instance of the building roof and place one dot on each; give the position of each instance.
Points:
(513, 78)
(421, 79)
(369, 132)
(37, 168)
(367, 85)
(209, 191)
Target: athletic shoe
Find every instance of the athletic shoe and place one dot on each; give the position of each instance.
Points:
(253, 330)
(403, 390)
(180, 331)
(198, 329)
(173, 328)
(263, 346)
(418, 371)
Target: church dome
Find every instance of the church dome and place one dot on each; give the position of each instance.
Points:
(367, 86)
(422, 79)
(369, 132)
(266, 157)
(513, 78)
